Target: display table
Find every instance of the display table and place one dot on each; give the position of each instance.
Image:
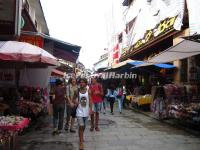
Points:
(27, 108)
(185, 111)
(140, 99)
(14, 127)
(10, 126)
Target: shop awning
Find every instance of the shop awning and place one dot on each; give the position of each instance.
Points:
(139, 63)
(14, 51)
(56, 72)
(182, 50)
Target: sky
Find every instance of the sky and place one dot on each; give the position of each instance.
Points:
(79, 22)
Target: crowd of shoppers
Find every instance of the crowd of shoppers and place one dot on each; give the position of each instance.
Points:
(82, 100)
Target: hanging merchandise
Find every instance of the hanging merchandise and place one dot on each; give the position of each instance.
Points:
(159, 103)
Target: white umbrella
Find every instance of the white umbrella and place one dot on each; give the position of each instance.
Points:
(25, 52)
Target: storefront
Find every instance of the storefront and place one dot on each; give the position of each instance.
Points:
(180, 100)
(24, 73)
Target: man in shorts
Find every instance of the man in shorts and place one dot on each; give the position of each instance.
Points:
(96, 95)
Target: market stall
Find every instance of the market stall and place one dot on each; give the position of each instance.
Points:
(139, 98)
(10, 126)
(175, 102)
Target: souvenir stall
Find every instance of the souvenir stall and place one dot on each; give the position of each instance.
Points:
(34, 84)
(173, 101)
(25, 70)
(183, 105)
(139, 98)
(22, 67)
(149, 76)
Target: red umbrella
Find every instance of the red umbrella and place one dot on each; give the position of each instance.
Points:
(25, 52)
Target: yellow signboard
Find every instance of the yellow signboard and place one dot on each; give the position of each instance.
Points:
(164, 26)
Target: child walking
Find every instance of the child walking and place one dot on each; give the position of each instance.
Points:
(84, 109)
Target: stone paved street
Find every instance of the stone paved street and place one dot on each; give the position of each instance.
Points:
(127, 131)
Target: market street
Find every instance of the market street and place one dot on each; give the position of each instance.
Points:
(127, 131)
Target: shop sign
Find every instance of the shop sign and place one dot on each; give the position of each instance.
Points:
(164, 26)
(161, 28)
(34, 40)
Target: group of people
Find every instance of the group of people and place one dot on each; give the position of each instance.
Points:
(82, 100)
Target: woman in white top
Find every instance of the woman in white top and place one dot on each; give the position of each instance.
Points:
(84, 108)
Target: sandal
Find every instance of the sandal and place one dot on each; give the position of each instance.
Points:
(97, 129)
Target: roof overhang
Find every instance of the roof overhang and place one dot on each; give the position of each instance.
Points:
(184, 49)
(61, 49)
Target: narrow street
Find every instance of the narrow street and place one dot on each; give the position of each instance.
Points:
(127, 131)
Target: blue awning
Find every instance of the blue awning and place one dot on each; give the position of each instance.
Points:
(136, 63)
(166, 66)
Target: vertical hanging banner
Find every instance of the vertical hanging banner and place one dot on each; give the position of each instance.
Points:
(194, 16)
(10, 18)
(116, 54)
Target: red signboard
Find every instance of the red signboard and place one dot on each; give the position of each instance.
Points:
(34, 40)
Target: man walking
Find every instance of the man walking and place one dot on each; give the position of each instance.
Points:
(96, 95)
(58, 107)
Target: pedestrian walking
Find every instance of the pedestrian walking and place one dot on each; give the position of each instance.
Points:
(96, 95)
(104, 100)
(58, 107)
(70, 105)
(84, 109)
(124, 89)
(111, 96)
(120, 98)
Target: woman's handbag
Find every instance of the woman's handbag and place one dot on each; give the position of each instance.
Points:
(120, 93)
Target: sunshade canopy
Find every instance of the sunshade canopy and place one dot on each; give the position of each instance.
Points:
(25, 52)
(139, 63)
(182, 50)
